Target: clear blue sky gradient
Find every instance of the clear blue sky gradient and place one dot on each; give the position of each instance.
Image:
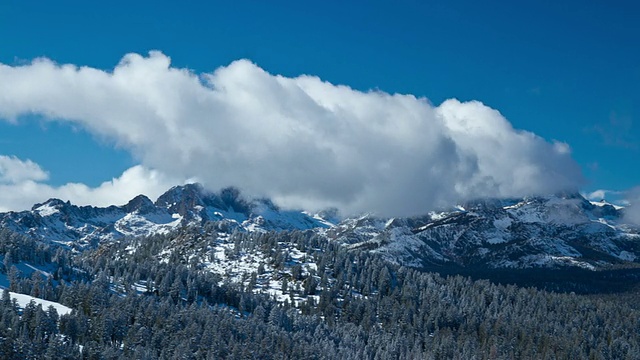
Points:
(568, 70)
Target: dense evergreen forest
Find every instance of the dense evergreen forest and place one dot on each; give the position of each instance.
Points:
(134, 300)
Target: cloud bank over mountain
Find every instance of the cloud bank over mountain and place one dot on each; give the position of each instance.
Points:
(301, 141)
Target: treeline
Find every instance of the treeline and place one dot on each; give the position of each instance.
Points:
(128, 304)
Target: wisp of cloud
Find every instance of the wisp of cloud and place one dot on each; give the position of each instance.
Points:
(632, 210)
(301, 141)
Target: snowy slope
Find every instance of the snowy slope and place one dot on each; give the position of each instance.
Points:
(23, 300)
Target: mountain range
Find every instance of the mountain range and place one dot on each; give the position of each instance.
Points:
(79, 227)
(558, 231)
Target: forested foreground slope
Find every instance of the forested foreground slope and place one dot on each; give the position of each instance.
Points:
(308, 298)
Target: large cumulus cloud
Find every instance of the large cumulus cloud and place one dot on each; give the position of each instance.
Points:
(301, 141)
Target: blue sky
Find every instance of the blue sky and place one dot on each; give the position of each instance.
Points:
(566, 71)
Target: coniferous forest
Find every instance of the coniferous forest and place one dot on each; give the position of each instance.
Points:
(133, 300)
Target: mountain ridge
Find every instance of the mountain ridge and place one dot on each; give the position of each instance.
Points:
(555, 231)
(61, 222)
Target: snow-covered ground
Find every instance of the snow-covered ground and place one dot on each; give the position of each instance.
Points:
(23, 300)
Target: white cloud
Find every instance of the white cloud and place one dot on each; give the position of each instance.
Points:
(14, 170)
(24, 193)
(600, 194)
(596, 195)
(301, 141)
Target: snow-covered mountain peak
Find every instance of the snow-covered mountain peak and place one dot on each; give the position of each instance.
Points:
(49, 207)
(605, 204)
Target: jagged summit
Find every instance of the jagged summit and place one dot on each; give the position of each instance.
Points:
(53, 202)
(140, 204)
(192, 200)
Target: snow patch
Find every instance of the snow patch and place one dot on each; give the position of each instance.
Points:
(627, 256)
(23, 300)
(46, 210)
